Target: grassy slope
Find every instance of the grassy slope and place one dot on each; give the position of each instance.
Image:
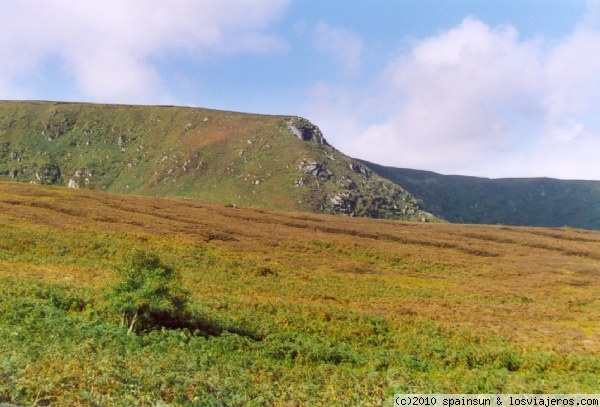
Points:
(319, 309)
(217, 156)
(525, 201)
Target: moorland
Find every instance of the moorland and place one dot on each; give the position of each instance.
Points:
(287, 308)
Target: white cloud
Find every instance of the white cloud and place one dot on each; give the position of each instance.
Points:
(342, 44)
(480, 100)
(573, 74)
(108, 47)
(592, 16)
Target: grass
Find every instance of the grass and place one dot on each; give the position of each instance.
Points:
(297, 309)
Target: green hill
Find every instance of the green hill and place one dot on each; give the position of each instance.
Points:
(511, 201)
(275, 162)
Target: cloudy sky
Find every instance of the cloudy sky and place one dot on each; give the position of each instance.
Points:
(496, 88)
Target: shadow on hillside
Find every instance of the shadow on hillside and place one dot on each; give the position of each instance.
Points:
(202, 326)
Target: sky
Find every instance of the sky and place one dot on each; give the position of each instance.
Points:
(494, 88)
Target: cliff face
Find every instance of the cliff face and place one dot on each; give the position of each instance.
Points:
(275, 162)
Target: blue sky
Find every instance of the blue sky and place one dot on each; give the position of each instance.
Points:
(497, 88)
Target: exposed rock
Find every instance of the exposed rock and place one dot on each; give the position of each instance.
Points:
(316, 169)
(336, 199)
(306, 131)
(48, 174)
(348, 183)
(81, 178)
(122, 140)
(57, 127)
(357, 193)
(343, 204)
(360, 168)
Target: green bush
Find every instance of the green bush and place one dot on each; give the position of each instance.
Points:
(149, 294)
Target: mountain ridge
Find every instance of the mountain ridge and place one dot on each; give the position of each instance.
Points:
(546, 202)
(265, 161)
(274, 162)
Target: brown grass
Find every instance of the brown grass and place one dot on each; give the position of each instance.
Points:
(537, 287)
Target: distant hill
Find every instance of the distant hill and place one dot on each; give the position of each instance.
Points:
(272, 162)
(510, 201)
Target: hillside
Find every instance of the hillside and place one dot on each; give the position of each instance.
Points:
(298, 309)
(232, 158)
(511, 201)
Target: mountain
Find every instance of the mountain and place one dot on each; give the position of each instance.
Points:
(510, 201)
(270, 162)
(273, 162)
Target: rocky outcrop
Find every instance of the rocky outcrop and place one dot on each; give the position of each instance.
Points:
(317, 170)
(375, 198)
(306, 131)
(48, 174)
(339, 185)
(57, 126)
(80, 179)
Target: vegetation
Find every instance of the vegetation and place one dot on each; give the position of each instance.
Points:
(148, 294)
(518, 201)
(274, 162)
(284, 308)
